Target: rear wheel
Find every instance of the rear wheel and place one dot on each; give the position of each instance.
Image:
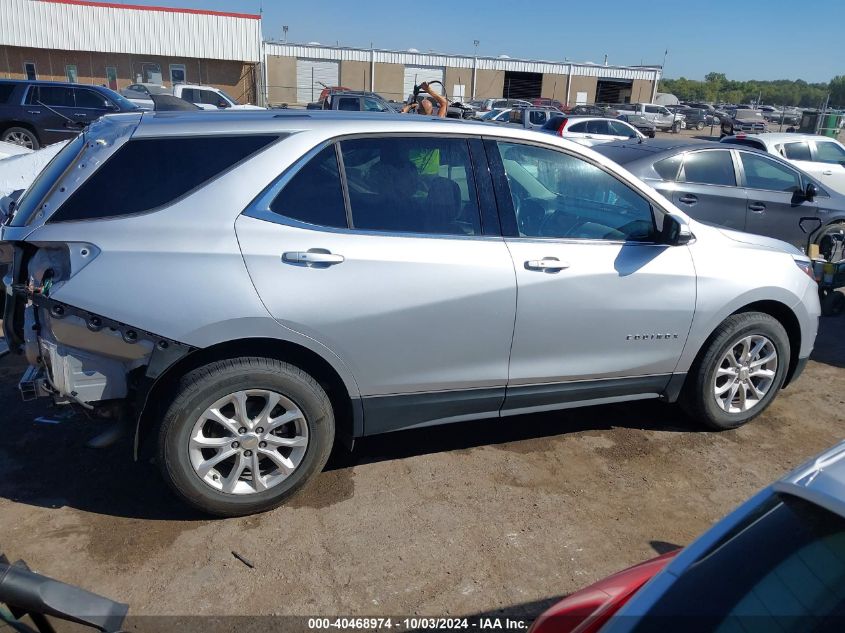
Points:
(740, 372)
(243, 435)
(699, 125)
(21, 136)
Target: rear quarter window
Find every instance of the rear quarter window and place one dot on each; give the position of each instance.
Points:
(6, 91)
(146, 174)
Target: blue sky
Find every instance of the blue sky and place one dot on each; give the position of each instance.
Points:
(784, 39)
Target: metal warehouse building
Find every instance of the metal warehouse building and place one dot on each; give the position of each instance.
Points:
(295, 74)
(117, 45)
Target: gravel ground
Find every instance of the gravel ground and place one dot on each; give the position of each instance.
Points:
(482, 517)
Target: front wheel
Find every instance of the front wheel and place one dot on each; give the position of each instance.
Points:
(699, 125)
(243, 435)
(740, 372)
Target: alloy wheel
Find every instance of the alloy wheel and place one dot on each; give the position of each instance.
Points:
(248, 441)
(745, 374)
(20, 138)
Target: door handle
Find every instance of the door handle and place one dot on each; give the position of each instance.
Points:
(588, 136)
(549, 264)
(79, 114)
(34, 111)
(688, 198)
(757, 207)
(827, 173)
(312, 257)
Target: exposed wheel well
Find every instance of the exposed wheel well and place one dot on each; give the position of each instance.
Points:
(162, 391)
(789, 321)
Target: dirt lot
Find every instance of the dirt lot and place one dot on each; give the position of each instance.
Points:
(485, 517)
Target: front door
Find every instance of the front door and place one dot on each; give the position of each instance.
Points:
(776, 202)
(390, 269)
(603, 310)
(829, 164)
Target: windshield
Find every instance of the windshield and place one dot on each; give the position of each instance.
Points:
(38, 190)
(223, 92)
(490, 115)
(123, 102)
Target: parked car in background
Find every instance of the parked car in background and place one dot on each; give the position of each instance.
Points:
(142, 91)
(353, 101)
(820, 156)
(639, 122)
(661, 116)
(485, 105)
(697, 118)
(784, 116)
(592, 110)
(736, 187)
(496, 116)
(531, 118)
(544, 102)
(205, 97)
(332, 236)
(776, 563)
(743, 120)
(589, 131)
(36, 113)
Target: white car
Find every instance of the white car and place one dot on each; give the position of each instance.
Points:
(205, 97)
(590, 130)
(501, 115)
(819, 156)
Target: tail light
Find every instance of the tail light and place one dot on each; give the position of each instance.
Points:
(588, 610)
(561, 127)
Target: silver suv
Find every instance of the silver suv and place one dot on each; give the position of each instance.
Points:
(249, 288)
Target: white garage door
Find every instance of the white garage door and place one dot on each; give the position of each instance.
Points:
(311, 74)
(415, 75)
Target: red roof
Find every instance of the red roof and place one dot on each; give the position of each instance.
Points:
(115, 5)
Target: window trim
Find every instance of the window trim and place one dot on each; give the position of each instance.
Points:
(259, 208)
(681, 168)
(102, 96)
(75, 72)
(504, 199)
(171, 67)
(739, 165)
(34, 71)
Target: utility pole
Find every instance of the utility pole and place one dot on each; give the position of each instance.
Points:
(284, 34)
(475, 43)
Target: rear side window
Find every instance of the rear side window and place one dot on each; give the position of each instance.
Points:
(747, 142)
(578, 127)
(797, 151)
(6, 92)
(713, 167)
(348, 103)
(146, 174)
(667, 168)
(314, 195)
(54, 96)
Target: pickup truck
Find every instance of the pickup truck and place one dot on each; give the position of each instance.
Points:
(352, 101)
(662, 118)
(205, 97)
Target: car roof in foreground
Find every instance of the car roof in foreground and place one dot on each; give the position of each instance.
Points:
(820, 480)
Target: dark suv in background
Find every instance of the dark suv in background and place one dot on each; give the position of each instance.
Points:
(36, 113)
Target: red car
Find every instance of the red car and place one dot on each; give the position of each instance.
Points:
(587, 610)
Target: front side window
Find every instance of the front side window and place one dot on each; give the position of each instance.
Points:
(652, 109)
(617, 128)
(714, 167)
(349, 104)
(314, 195)
(210, 97)
(797, 151)
(168, 168)
(578, 127)
(827, 152)
(556, 195)
(411, 185)
(373, 105)
(90, 99)
(762, 173)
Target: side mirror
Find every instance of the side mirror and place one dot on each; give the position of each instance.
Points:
(675, 232)
(222, 104)
(811, 191)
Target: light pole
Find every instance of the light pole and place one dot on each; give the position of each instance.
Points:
(475, 43)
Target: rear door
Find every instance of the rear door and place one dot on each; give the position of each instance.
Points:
(52, 109)
(393, 270)
(776, 202)
(603, 310)
(707, 189)
(829, 163)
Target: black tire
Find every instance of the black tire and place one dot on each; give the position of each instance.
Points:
(833, 303)
(200, 388)
(16, 134)
(699, 125)
(697, 398)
